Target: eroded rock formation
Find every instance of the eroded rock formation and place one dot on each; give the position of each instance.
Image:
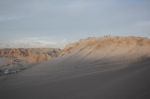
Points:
(33, 55)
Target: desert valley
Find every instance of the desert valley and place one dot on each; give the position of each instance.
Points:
(74, 49)
(109, 67)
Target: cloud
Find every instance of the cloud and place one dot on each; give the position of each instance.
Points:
(33, 43)
(11, 18)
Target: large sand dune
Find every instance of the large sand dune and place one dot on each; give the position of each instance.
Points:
(93, 68)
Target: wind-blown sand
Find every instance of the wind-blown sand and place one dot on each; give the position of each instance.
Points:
(94, 68)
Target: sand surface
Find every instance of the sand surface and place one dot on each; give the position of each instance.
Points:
(84, 75)
(3, 61)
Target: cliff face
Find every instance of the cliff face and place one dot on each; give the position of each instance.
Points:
(32, 55)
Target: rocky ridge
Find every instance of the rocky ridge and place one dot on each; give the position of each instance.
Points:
(16, 59)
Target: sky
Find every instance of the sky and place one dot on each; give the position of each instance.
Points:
(54, 23)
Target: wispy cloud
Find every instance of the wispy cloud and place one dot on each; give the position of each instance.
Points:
(11, 18)
(34, 43)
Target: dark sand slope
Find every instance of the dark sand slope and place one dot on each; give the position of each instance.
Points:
(86, 73)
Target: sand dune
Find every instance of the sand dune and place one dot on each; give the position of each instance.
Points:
(111, 46)
(93, 68)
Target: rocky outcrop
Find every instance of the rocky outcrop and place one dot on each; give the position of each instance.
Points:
(33, 55)
(17, 59)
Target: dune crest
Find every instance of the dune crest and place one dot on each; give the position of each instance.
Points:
(108, 47)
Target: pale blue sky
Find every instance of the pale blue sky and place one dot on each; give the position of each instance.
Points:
(60, 21)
